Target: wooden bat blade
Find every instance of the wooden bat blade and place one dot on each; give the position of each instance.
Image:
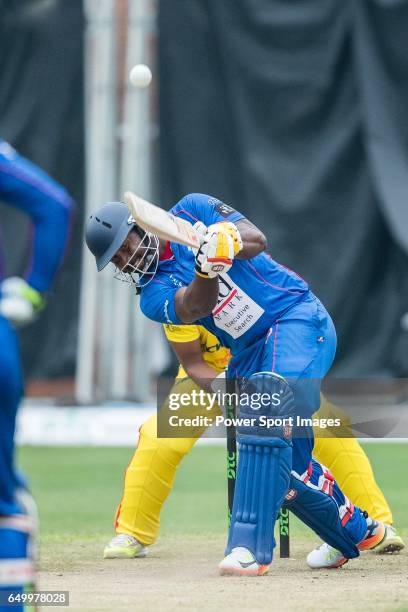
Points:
(160, 222)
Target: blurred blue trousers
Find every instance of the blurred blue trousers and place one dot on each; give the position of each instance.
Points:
(11, 391)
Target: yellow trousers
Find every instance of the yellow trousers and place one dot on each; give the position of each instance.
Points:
(150, 475)
(351, 468)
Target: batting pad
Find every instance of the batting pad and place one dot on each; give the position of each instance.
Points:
(262, 482)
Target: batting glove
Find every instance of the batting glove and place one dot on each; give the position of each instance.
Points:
(20, 303)
(201, 230)
(230, 229)
(215, 255)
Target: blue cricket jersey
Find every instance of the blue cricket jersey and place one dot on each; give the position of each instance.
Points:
(26, 187)
(252, 295)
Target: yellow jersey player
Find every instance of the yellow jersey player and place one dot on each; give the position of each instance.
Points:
(150, 474)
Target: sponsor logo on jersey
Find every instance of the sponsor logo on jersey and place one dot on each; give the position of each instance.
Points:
(170, 328)
(236, 312)
(175, 281)
(222, 209)
(210, 348)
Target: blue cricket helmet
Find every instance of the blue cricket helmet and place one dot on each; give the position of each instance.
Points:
(106, 230)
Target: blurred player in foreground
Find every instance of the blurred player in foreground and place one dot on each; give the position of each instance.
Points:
(150, 474)
(29, 189)
(282, 342)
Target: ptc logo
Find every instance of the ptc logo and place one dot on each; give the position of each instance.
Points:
(231, 465)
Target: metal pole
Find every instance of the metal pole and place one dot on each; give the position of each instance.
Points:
(100, 122)
(136, 175)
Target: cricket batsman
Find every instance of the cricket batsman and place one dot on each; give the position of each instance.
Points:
(27, 188)
(282, 342)
(150, 475)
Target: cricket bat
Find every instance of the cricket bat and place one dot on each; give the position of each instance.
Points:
(160, 222)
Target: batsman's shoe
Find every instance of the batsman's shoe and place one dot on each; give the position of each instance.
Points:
(242, 562)
(374, 536)
(327, 557)
(392, 542)
(124, 546)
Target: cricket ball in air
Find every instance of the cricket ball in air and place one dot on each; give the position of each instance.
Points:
(140, 76)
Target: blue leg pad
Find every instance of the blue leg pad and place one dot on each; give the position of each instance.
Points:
(262, 481)
(320, 512)
(264, 463)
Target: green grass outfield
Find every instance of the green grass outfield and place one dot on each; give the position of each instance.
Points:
(78, 488)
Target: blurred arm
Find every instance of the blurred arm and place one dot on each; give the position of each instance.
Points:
(190, 356)
(26, 187)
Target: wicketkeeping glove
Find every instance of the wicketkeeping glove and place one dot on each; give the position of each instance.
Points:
(19, 302)
(230, 229)
(215, 255)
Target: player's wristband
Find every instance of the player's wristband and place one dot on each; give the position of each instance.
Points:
(202, 274)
